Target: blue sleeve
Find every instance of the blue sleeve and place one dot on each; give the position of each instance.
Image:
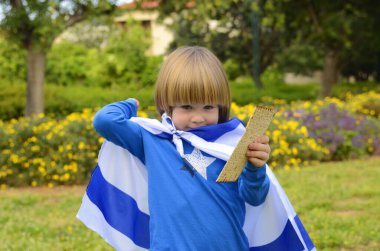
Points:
(112, 122)
(254, 184)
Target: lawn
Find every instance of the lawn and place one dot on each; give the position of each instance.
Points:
(339, 204)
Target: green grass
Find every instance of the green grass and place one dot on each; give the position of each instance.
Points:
(337, 202)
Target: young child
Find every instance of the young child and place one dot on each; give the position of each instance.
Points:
(175, 163)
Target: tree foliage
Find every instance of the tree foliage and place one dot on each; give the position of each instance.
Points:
(300, 36)
(38, 23)
(33, 25)
(226, 27)
(344, 31)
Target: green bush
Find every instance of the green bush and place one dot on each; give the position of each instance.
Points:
(68, 64)
(63, 100)
(149, 75)
(123, 60)
(12, 100)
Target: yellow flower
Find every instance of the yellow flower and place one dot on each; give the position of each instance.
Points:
(142, 114)
(65, 177)
(242, 116)
(5, 151)
(35, 148)
(42, 170)
(33, 139)
(303, 130)
(276, 135)
(295, 151)
(14, 159)
(293, 125)
(81, 145)
(49, 136)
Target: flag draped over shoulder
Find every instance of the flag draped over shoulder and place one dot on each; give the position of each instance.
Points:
(115, 204)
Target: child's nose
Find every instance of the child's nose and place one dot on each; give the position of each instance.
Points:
(198, 118)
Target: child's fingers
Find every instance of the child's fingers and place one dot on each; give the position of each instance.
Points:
(258, 152)
(264, 139)
(258, 155)
(257, 158)
(259, 147)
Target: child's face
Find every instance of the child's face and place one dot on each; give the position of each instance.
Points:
(188, 116)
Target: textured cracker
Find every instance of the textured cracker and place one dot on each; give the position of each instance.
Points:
(257, 125)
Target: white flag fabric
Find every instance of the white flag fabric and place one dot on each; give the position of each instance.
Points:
(115, 204)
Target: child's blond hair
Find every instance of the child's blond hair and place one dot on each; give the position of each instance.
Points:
(192, 75)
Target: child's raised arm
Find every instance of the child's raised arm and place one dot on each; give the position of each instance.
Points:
(112, 122)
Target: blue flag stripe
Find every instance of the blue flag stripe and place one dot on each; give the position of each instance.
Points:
(305, 235)
(287, 241)
(119, 209)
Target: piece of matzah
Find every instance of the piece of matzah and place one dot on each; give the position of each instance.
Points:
(257, 125)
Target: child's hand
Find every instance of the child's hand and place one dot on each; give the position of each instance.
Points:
(137, 103)
(258, 151)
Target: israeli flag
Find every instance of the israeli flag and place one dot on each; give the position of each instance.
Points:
(115, 204)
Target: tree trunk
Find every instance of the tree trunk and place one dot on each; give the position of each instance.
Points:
(35, 81)
(330, 73)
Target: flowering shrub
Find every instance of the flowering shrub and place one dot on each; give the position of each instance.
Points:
(365, 103)
(41, 150)
(44, 151)
(329, 129)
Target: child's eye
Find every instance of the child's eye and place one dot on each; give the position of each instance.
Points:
(209, 107)
(186, 107)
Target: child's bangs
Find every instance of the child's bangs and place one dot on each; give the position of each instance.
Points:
(195, 92)
(199, 83)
